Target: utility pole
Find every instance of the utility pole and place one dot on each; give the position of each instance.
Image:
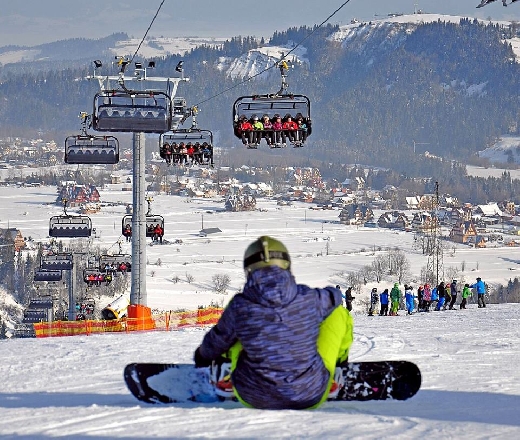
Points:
(435, 248)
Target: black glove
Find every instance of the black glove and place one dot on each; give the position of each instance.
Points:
(199, 360)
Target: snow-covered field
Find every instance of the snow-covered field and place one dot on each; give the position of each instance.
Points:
(73, 386)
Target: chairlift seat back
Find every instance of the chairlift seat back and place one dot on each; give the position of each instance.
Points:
(83, 149)
(47, 275)
(134, 111)
(57, 262)
(70, 226)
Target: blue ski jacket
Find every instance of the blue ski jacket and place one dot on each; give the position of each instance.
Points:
(277, 322)
(480, 287)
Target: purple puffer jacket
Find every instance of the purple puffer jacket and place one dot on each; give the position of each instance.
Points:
(277, 321)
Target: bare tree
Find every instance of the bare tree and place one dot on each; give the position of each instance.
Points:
(399, 264)
(452, 273)
(354, 280)
(379, 267)
(221, 282)
(366, 274)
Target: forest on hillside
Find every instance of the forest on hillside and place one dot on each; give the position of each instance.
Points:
(450, 89)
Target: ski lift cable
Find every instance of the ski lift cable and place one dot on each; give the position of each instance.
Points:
(275, 64)
(147, 30)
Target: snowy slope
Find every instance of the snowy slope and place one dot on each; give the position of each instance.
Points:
(504, 150)
(397, 28)
(257, 60)
(73, 387)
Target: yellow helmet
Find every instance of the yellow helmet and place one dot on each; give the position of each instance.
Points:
(266, 251)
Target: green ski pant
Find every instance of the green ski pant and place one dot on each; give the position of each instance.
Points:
(334, 341)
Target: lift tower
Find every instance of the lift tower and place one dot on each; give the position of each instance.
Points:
(138, 104)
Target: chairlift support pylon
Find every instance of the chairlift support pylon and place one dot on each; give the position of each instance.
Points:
(120, 83)
(85, 148)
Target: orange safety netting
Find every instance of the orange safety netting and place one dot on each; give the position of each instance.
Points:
(162, 321)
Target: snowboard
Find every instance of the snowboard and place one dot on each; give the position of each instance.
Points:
(359, 381)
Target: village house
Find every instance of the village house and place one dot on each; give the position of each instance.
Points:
(356, 214)
(463, 232)
(393, 220)
(424, 222)
(12, 236)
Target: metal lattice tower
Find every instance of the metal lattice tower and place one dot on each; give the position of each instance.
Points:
(434, 243)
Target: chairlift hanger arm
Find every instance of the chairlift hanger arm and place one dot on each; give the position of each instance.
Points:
(284, 67)
(106, 81)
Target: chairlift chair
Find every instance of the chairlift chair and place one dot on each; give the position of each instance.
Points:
(33, 316)
(87, 149)
(280, 104)
(47, 275)
(114, 261)
(96, 273)
(132, 111)
(69, 226)
(151, 221)
(201, 139)
(41, 303)
(62, 261)
(179, 112)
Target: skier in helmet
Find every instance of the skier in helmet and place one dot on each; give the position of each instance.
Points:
(374, 300)
(284, 339)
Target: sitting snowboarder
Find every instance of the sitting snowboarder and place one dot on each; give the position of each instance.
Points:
(284, 355)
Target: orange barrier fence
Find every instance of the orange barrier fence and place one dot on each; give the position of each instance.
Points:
(139, 319)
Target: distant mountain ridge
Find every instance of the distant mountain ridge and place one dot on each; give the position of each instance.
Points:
(378, 89)
(353, 37)
(79, 49)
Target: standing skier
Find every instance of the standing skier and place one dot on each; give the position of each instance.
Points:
(480, 287)
(420, 292)
(441, 291)
(395, 297)
(466, 292)
(454, 290)
(374, 299)
(427, 297)
(284, 339)
(349, 298)
(409, 299)
(384, 302)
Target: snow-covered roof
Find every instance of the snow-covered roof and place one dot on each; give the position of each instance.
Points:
(490, 209)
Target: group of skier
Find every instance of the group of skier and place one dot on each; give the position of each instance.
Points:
(441, 297)
(275, 130)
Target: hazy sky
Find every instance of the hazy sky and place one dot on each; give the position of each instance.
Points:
(32, 22)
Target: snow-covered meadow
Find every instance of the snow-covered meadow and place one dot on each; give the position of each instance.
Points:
(73, 386)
